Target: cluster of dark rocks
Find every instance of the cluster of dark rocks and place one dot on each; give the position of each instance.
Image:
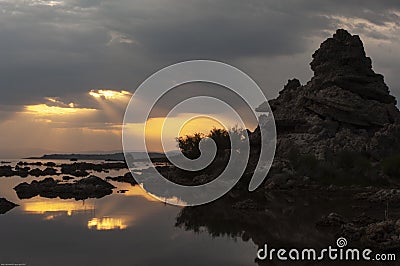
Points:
(48, 164)
(90, 187)
(384, 195)
(7, 171)
(82, 169)
(126, 178)
(365, 231)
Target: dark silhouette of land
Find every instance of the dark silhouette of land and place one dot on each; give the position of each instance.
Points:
(337, 166)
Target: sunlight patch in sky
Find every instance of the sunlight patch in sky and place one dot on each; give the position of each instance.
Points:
(46, 3)
(109, 94)
(45, 110)
(383, 32)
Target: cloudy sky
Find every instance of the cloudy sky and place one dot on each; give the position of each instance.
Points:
(55, 56)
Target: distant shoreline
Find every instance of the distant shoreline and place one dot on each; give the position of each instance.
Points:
(101, 157)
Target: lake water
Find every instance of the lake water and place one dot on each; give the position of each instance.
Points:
(119, 229)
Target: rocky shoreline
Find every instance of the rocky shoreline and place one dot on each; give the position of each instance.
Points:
(90, 187)
(336, 170)
(80, 169)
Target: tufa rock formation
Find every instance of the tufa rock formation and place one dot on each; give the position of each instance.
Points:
(90, 187)
(345, 107)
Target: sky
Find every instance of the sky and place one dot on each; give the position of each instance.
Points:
(69, 67)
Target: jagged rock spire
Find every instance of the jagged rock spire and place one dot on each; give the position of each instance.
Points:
(341, 61)
(345, 106)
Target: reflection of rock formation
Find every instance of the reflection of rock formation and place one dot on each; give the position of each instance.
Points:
(6, 205)
(345, 106)
(280, 219)
(107, 223)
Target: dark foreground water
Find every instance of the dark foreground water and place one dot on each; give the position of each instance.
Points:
(119, 229)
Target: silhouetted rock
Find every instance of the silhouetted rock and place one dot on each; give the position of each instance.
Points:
(27, 163)
(126, 178)
(37, 172)
(81, 169)
(6, 171)
(91, 187)
(382, 235)
(6, 205)
(342, 107)
(345, 107)
(22, 171)
(49, 171)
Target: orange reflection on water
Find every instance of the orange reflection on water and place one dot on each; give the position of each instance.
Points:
(135, 191)
(138, 191)
(107, 223)
(45, 206)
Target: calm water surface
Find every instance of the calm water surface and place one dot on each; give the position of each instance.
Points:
(119, 229)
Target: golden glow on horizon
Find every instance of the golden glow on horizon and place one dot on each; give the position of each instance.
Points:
(109, 94)
(201, 124)
(107, 223)
(182, 125)
(44, 109)
(45, 206)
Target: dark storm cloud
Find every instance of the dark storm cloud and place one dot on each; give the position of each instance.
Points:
(228, 29)
(65, 48)
(197, 29)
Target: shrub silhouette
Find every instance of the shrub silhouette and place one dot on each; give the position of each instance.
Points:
(189, 144)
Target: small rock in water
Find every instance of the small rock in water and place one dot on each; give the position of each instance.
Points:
(6, 205)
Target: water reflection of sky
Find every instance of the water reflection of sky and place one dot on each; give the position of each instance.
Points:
(129, 228)
(107, 223)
